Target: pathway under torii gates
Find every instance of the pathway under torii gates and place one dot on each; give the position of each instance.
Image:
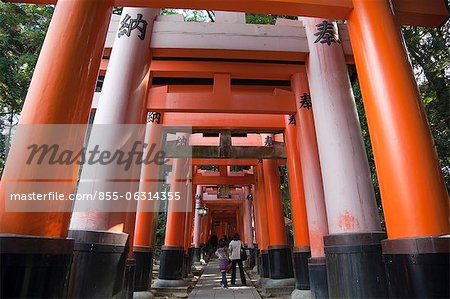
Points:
(229, 94)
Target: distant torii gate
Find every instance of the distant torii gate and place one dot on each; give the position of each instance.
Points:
(414, 197)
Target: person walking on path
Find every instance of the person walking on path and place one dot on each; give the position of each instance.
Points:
(226, 240)
(223, 253)
(235, 247)
(213, 242)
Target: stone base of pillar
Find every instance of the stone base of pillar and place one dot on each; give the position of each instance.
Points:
(274, 283)
(355, 265)
(178, 288)
(318, 281)
(301, 294)
(252, 256)
(264, 270)
(129, 279)
(277, 287)
(301, 255)
(186, 266)
(190, 262)
(144, 266)
(202, 252)
(196, 255)
(34, 267)
(143, 295)
(257, 261)
(417, 267)
(169, 283)
(171, 263)
(99, 261)
(280, 262)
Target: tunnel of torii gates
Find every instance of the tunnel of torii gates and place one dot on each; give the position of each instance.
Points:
(256, 96)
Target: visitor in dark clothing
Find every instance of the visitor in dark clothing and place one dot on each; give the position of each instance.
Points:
(213, 241)
(235, 247)
(223, 253)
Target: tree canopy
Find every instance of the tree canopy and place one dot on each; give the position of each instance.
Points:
(22, 31)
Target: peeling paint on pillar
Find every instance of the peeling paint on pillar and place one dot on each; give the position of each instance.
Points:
(349, 196)
(347, 222)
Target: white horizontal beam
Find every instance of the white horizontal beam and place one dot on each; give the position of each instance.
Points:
(169, 32)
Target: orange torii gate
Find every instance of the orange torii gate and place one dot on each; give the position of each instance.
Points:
(415, 200)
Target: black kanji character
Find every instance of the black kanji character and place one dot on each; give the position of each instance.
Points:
(305, 101)
(326, 33)
(268, 141)
(154, 117)
(292, 120)
(128, 25)
(181, 141)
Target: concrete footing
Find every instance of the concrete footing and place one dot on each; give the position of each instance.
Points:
(174, 288)
(167, 283)
(143, 295)
(301, 294)
(277, 287)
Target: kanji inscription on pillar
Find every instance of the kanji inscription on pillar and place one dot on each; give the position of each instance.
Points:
(326, 33)
(181, 141)
(268, 141)
(154, 117)
(127, 25)
(305, 101)
(292, 120)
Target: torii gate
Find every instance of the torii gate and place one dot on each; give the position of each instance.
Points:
(415, 200)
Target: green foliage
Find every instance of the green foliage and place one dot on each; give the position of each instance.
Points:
(191, 15)
(430, 57)
(22, 31)
(251, 18)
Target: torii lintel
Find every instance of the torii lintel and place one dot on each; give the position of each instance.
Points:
(431, 13)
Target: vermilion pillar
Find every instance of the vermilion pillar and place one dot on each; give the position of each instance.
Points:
(204, 228)
(262, 228)
(301, 250)
(350, 200)
(415, 200)
(310, 164)
(197, 223)
(349, 195)
(190, 209)
(248, 217)
(147, 210)
(312, 184)
(122, 103)
(173, 251)
(189, 219)
(60, 93)
(275, 213)
(175, 216)
(296, 184)
(280, 255)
